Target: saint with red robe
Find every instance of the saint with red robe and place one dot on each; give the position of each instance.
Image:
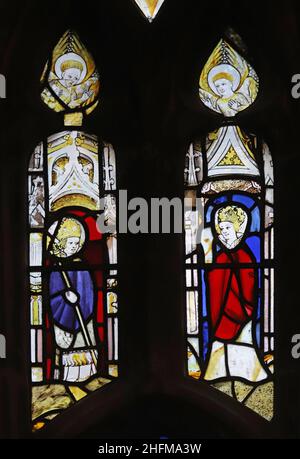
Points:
(233, 302)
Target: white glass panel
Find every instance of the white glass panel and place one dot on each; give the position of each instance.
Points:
(192, 312)
(116, 338)
(35, 253)
(109, 168)
(33, 345)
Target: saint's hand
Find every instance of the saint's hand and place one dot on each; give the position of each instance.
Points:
(233, 104)
(71, 296)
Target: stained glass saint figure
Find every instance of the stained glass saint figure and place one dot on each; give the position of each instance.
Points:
(233, 302)
(73, 266)
(229, 243)
(72, 303)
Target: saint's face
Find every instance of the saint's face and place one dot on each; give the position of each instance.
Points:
(228, 232)
(71, 77)
(224, 87)
(72, 246)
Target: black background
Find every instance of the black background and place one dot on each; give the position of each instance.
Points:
(150, 111)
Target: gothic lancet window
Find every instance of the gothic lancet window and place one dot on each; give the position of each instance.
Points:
(72, 264)
(229, 243)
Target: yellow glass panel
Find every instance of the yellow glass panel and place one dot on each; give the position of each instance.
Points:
(73, 119)
(77, 392)
(38, 426)
(113, 370)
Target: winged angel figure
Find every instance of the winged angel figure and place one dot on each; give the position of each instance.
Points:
(228, 84)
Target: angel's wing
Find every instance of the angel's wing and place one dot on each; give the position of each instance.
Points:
(209, 100)
(249, 89)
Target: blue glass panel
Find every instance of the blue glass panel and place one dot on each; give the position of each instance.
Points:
(255, 219)
(246, 200)
(220, 199)
(253, 242)
(203, 285)
(259, 278)
(258, 312)
(208, 213)
(63, 312)
(258, 334)
(205, 335)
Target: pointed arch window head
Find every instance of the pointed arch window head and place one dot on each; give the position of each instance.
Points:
(149, 8)
(229, 244)
(70, 80)
(228, 84)
(73, 272)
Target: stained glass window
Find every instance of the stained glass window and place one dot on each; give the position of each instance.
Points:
(150, 8)
(229, 243)
(72, 264)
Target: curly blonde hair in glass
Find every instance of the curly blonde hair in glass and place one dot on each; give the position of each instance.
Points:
(232, 214)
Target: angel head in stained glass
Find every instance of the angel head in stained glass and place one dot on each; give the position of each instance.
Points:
(228, 84)
(70, 78)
